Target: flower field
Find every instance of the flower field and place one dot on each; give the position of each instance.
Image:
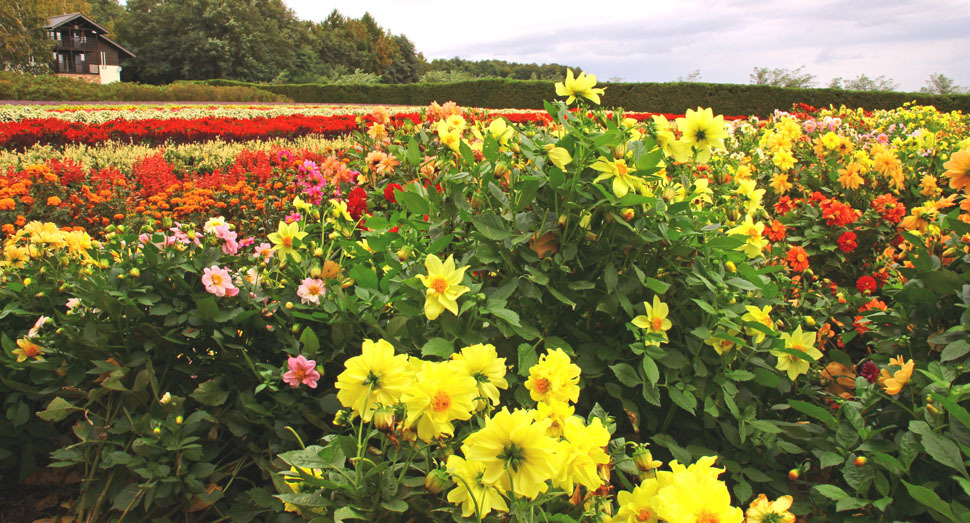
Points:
(303, 312)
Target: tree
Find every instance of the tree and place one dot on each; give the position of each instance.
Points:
(781, 77)
(695, 76)
(106, 13)
(939, 83)
(23, 44)
(864, 83)
(249, 40)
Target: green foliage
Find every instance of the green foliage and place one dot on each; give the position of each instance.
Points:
(729, 99)
(17, 86)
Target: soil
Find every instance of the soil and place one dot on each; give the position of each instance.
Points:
(45, 497)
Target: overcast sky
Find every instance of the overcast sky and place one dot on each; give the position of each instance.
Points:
(657, 41)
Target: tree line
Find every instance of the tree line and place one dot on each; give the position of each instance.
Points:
(246, 40)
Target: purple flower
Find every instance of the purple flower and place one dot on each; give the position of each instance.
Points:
(869, 371)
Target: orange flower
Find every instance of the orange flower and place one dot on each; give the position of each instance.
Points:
(958, 169)
(849, 177)
(7, 204)
(797, 259)
(53, 201)
(893, 384)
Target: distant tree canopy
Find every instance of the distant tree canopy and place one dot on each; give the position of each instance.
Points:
(864, 83)
(502, 69)
(781, 77)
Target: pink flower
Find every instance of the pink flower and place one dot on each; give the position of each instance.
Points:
(302, 371)
(310, 290)
(217, 281)
(264, 251)
(230, 246)
(295, 217)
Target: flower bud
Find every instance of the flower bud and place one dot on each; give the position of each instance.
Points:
(315, 272)
(156, 431)
(134, 272)
(644, 461)
(627, 214)
(343, 418)
(730, 266)
(591, 236)
(501, 169)
(288, 305)
(179, 420)
(810, 321)
(860, 461)
(563, 220)
(437, 481)
(166, 398)
(384, 419)
(404, 253)
(793, 474)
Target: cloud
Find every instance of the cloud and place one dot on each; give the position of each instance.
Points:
(658, 41)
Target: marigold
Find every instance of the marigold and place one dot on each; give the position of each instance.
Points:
(847, 242)
(797, 259)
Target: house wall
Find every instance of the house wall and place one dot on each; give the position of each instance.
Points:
(110, 74)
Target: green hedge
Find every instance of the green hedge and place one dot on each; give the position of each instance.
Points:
(653, 97)
(17, 86)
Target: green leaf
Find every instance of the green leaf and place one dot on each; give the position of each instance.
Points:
(650, 369)
(304, 500)
(929, 499)
(889, 463)
(765, 426)
(439, 347)
(491, 226)
(57, 410)
(561, 297)
(311, 344)
(683, 399)
(414, 152)
(815, 411)
(413, 202)
(831, 491)
(829, 459)
(742, 284)
(656, 285)
(395, 505)
(364, 276)
(207, 308)
(161, 309)
(626, 374)
(210, 393)
(511, 317)
(939, 448)
(527, 358)
(955, 350)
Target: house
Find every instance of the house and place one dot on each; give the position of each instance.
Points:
(83, 51)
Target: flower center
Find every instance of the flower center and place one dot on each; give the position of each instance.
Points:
(707, 517)
(299, 374)
(541, 385)
(287, 241)
(216, 279)
(31, 350)
(441, 401)
(439, 284)
(621, 168)
(373, 380)
(513, 456)
(657, 323)
(644, 515)
(313, 290)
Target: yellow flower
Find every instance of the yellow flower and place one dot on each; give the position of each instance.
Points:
(755, 242)
(298, 485)
(695, 494)
(763, 511)
(27, 349)
(558, 156)
(516, 452)
(800, 341)
(284, 239)
(756, 315)
(580, 453)
(702, 130)
(555, 377)
(849, 177)
(623, 181)
(501, 131)
(780, 183)
(438, 395)
(784, 159)
(831, 140)
(482, 363)
(958, 170)
(450, 137)
(721, 345)
(891, 384)
(377, 377)
(556, 412)
(470, 490)
(655, 321)
(581, 86)
(442, 284)
(638, 506)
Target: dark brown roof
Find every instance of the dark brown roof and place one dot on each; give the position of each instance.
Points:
(59, 20)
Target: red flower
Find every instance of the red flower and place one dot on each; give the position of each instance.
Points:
(869, 371)
(889, 208)
(847, 242)
(784, 205)
(776, 231)
(866, 284)
(389, 192)
(357, 203)
(797, 259)
(838, 214)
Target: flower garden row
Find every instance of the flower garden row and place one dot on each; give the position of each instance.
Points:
(584, 314)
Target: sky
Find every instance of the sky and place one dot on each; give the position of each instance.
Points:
(661, 41)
